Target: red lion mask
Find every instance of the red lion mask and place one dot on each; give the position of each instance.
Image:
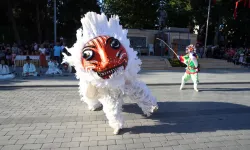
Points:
(104, 55)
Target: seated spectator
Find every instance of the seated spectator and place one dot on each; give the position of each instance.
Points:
(2, 53)
(29, 69)
(5, 72)
(8, 56)
(53, 67)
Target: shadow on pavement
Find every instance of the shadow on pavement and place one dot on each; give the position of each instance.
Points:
(224, 89)
(211, 71)
(192, 117)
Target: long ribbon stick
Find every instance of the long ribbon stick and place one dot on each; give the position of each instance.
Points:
(167, 46)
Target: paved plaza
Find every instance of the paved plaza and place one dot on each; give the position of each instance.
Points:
(41, 113)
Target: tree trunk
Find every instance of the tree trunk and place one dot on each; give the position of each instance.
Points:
(13, 21)
(38, 23)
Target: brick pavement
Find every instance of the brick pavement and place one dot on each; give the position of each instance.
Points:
(55, 118)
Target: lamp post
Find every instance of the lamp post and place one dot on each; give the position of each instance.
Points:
(208, 14)
(55, 22)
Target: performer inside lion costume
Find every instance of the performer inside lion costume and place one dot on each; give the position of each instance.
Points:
(107, 68)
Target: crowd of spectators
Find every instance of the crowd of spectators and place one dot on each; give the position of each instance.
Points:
(237, 55)
(8, 52)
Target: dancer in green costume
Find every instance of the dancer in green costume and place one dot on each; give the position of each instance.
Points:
(191, 60)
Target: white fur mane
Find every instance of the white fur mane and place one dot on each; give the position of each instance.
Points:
(94, 25)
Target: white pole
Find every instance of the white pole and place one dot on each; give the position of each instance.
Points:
(54, 21)
(208, 14)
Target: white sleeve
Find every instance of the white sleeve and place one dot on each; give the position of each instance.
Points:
(33, 68)
(24, 68)
(194, 59)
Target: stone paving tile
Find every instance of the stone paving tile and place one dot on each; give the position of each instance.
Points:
(26, 141)
(107, 142)
(152, 144)
(80, 148)
(135, 146)
(117, 147)
(70, 144)
(214, 144)
(244, 142)
(163, 148)
(98, 148)
(12, 147)
(141, 140)
(51, 145)
(182, 147)
(89, 143)
(31, 146)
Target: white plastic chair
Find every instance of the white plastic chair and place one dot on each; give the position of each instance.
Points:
(150, 49)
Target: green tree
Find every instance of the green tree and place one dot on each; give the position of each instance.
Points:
(29, 20)
(70, 13)
(138, 14)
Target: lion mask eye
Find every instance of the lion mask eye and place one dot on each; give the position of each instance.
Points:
(115, 44)
(88, 54)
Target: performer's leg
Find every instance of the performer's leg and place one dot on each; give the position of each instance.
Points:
(88, 94)
(195, 81)
(184, 79)
(93, 104)
(140, 93)
(112, 108)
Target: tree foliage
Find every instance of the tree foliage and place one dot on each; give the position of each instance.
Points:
(133, 13)
(32, 20)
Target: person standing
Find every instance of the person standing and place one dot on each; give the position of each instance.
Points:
(2, 53)
(191, 60)
(42, 51)
(57, 52)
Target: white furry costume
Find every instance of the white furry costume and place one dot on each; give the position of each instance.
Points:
(123, 81)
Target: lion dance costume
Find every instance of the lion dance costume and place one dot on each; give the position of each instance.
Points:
(191, 60)
(107, 68)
